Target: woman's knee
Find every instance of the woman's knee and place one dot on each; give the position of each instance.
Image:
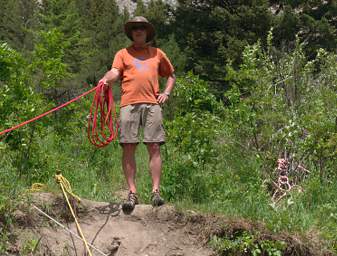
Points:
(153, 148)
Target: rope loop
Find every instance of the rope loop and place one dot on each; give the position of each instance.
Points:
(60, 179)
(102, 119)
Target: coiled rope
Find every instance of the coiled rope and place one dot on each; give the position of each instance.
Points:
(102, 117)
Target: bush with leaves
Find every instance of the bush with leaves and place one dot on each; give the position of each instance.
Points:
(48, 59)
(286, 104)
(192, 136)
(18, 102)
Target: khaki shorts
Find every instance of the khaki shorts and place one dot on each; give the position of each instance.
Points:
(146, 116)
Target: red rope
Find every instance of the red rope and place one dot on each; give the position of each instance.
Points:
(102, 105)
(102, 117)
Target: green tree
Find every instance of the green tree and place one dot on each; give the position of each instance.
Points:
(17, 19)
(140, 8)
(212, 32)
(157, 12)
(64, 16)
(314, 22)
(49, 60)
(176, 55)
(103, 23)
(18, 102)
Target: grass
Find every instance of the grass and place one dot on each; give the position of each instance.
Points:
(231, 186)
(93, 173)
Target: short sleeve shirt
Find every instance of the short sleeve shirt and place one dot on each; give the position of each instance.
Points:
(140, 70)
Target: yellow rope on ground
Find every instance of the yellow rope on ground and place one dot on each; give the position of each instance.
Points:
(66, 188)
(36, 187)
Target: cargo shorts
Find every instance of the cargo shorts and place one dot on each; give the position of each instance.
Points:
(143, 116)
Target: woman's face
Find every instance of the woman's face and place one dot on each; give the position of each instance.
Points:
(139, 33)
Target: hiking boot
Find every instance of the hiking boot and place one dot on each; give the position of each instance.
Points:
(156, 199)
(130, 204)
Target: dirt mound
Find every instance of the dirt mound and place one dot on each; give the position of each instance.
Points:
(147, 231)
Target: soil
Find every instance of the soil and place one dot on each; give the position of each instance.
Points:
(148, 231)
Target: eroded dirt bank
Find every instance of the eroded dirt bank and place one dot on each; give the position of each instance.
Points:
(148, 231)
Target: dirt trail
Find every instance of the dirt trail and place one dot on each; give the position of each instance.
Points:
(147, 231)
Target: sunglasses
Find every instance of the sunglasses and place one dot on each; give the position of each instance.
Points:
(138, 27)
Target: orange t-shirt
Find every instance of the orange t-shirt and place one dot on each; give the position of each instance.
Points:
(139, 70)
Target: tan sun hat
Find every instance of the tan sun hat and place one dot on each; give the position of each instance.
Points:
(139, 20)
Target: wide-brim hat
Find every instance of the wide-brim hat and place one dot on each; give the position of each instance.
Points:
(150, 32)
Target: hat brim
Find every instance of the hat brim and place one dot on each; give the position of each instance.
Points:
(150, 32)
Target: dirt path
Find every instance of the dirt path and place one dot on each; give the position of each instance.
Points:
(147, 231)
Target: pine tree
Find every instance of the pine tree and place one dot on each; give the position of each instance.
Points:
(157, 12)
(140, 9)
(103, 24)
(17, 19)
(212, 32)
(64, 16)
(314, 22)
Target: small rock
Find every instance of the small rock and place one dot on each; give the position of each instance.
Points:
(114, 246)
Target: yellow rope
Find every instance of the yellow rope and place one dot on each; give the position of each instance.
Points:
(66, 185)
(66, 188)
(36, 187)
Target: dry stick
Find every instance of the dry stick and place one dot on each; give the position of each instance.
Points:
(66, 229)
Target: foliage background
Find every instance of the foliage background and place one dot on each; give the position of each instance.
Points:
(256, 80)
